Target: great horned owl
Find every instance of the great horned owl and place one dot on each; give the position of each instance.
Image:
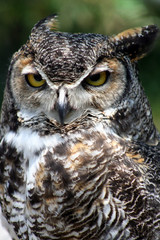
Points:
(79, 156)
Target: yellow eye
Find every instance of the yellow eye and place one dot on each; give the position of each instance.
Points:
(35, 80)
(97, 79)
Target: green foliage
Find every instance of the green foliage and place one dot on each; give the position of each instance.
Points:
(102, 16)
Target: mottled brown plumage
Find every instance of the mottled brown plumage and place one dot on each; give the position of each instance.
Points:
(79, 154)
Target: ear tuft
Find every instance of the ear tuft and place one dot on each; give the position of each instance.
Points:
(47, 24)
(135, 43)
(50, 23)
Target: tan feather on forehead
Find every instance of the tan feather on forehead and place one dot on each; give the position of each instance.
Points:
(52, 23)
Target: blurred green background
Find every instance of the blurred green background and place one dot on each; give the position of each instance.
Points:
(17, 17)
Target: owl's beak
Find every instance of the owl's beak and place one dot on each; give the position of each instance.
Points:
(62, 106)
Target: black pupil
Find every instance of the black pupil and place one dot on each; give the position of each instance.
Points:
(38, 77)
(95, 77)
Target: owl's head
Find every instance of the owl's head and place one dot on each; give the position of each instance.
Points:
(68, 78)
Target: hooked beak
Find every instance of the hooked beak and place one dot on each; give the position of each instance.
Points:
(62, 106)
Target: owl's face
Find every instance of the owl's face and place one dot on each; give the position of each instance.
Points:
(63, 99)
(67, 77)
